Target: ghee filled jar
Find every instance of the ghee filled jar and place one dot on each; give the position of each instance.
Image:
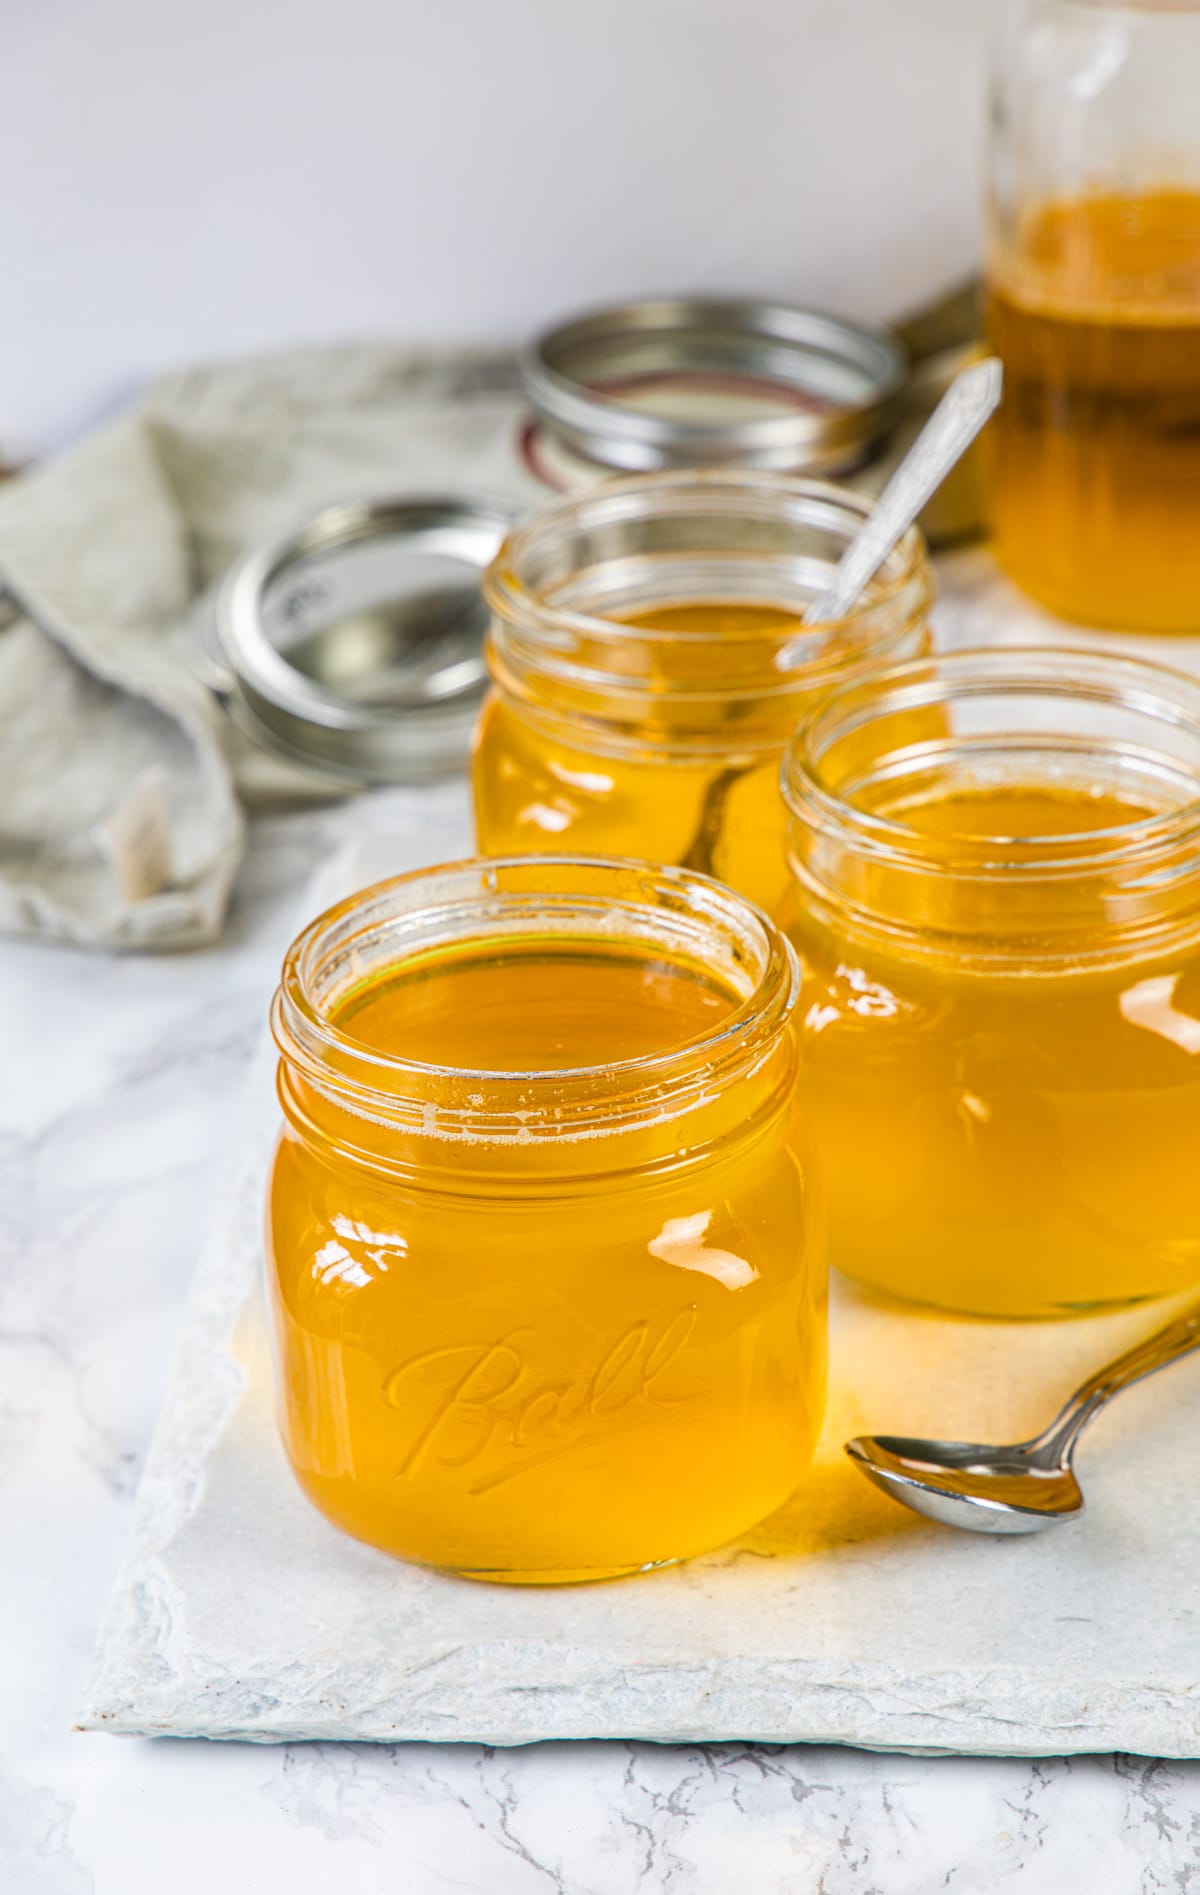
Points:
(1094, 306)
(545, 1253)
(649, 662)
(999, 931)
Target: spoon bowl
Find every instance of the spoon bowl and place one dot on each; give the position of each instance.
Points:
(1025, 1487)
(968, 1483)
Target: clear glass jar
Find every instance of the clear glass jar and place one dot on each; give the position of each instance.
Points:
(1094, 305)
(999, 931)
(649, 664)
(545, 1261)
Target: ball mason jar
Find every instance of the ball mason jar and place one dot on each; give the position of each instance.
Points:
(545, 1253)
(1094, 305)
(999, 932)
(649, 663)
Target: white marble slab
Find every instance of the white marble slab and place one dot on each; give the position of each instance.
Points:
(844, 1619)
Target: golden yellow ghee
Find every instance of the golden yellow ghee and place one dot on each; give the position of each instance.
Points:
(1000, 940)
(720, 814)
(1095, 452)
(545, 1258)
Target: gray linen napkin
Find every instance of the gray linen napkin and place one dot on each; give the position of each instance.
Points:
(122, 778)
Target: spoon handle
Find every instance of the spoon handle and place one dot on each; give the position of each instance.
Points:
(949, 431)
(1179, 1338)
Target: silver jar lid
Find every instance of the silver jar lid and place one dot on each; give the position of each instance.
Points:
(355, 643)
(694, 382)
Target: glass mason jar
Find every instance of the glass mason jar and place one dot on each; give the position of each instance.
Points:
(649, 664)
(545, 1259)
(999, 931)
(1094, 305)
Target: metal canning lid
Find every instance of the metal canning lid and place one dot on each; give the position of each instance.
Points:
(692, 383)
(355, 643)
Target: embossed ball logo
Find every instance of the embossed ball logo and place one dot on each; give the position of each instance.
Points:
(484, 1406)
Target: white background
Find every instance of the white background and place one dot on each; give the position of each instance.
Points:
(181, 179)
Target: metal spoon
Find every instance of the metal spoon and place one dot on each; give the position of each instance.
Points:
(945, 438)
(1018, 1489)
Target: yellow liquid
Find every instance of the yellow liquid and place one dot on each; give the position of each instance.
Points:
(721, 815)
(1096, 447)
(521, 1373)
(1005, 1143)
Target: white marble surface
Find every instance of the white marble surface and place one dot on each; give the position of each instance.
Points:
(123, 1078)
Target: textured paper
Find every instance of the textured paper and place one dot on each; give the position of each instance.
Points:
(844, 1618)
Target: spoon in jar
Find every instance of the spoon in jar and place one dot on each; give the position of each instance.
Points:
(971, 398)
(1026, 1487)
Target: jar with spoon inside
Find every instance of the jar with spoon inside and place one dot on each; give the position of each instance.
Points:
(649, 661)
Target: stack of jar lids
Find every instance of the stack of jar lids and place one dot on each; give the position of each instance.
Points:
(717, 384)
(354, 645)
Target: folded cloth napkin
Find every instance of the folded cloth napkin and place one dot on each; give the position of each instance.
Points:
(124, 780)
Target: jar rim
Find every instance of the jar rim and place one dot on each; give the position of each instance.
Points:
(448, 1100)
(1022, 670)
(615, 502)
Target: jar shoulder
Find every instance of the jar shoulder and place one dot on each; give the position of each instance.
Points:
(745, 1217)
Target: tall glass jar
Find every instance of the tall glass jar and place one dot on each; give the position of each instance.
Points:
(1094, 306)
(545, 1255)
(649, 663)
(999, 930)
